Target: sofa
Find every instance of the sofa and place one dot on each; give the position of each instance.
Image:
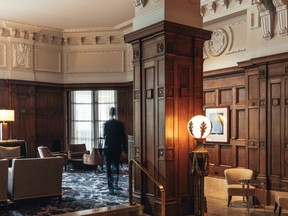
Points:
(30, 178)
(3, 180)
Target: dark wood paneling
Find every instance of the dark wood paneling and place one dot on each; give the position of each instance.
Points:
(240, 124)
(40, 109)
(240, 156)
(259, 137)
(170, 61)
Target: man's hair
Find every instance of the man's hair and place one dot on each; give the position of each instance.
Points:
(112, 111)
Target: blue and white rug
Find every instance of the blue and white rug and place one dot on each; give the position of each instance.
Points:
(81, 190)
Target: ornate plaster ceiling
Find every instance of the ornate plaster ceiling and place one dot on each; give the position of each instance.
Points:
(68, 14)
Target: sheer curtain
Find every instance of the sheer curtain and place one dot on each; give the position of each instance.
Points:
(81, 116)
(106, 100)
(88, 112)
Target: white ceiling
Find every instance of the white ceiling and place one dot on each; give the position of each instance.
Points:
(67, 14)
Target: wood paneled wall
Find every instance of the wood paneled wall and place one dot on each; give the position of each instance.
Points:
(40, 111)
(256, 93)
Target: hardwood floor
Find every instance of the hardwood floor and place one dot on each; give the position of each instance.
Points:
(217, 205)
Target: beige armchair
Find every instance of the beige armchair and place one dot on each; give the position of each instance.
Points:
(45, 152)
(96, 158)
(234, 188)
(76, 151)
(30, 178)
(3, 180)
(281, 201)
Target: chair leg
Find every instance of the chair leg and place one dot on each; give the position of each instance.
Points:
(229, 200)
(275, 206)
(280, 211)
(247, 200)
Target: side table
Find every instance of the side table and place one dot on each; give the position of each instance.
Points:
(255, 183)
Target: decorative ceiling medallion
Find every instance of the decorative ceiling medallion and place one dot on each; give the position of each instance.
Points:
(218, 42)
(140, 3)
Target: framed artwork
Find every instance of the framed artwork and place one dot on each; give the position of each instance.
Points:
(219, 117)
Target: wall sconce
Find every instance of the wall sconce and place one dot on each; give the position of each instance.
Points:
(5, 116)
(199, 128)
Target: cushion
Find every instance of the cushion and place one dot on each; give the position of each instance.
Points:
(9, 152)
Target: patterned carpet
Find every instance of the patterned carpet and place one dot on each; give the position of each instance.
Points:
(81, 190)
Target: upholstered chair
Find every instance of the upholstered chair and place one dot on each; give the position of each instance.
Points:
(233, 186)
(281, 201)
(76, 151)
(96, 158)
(3, 180)
(44, 152)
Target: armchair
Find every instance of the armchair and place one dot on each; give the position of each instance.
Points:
(234, 188)
(3, 180)
(95, 158)
(76, 151)
(45, 152)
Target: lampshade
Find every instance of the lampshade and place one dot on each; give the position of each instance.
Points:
(199, 127)
(6, 115)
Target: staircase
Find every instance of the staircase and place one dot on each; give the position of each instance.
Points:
(119, 210)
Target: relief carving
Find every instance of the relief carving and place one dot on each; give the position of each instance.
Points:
(3, 55)
(266, 11)
(160, 92)
(136, 54)
(281, 9)
(169, 154)
(136, 95)
(218, 42)
(140, 3)
(161, 153)
(21, 55)
(160, 47)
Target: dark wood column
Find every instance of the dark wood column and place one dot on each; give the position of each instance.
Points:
(168, 91)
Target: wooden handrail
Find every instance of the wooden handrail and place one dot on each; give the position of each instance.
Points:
(160, 186)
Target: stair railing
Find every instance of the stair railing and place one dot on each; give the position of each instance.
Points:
(160, 186)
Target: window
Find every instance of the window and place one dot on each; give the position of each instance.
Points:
(88, 112)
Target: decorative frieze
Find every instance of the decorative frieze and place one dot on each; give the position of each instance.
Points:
(212, 7)
(71, 37)
(202, 11)
(224, 3)
(238, 1)
(281, 9)
(266, 11)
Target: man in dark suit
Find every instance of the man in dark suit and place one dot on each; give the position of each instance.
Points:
(115, 144)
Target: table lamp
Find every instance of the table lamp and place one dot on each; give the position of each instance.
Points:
(5, 116)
